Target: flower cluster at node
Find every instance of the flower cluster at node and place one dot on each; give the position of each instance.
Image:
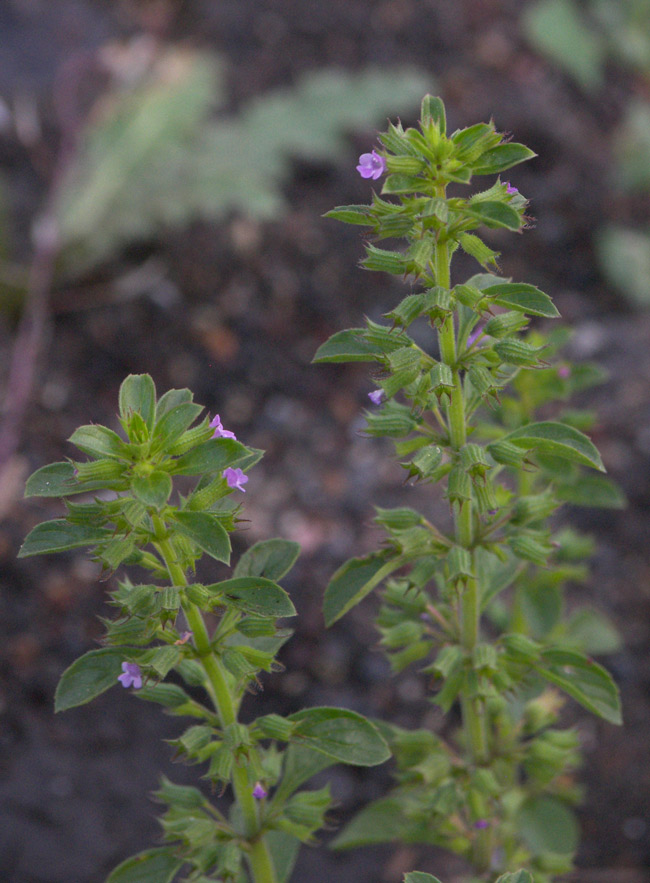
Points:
(131, 675)
(219, 431)
(371, 165)
(235, 478)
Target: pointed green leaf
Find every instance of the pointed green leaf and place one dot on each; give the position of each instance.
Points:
(301, 763)
(592, 490)
(284, 851)
(98, 441)
(255, 594)
(60, 535)
(520, 876)
(584, 680)
(502, 157)
(353, 581)
(138, 396)
(383, 821)
(89, 676)
(421, 877)
(557, 439)
(342, 734)
(154, 489)
(172, 399)
(57, 480)
(270, 558)
(522, 297)
(173, 422)
(495, 214)
(548, 825)
(152, 866)
(206, 531)
(213, 455)
(351, 214)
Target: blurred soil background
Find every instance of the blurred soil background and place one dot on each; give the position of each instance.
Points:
(232, 298)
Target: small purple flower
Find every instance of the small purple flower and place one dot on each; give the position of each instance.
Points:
(219, 431)
(376, 396)
(481, 824)
(235, 478)
(259, 792)
(371, 165)
(132, 676)
(510, 190)
(473, 337)
(564, 372)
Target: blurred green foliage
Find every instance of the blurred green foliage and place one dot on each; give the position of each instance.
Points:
(154, 155)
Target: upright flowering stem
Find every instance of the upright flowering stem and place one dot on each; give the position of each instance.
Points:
(261, 864)
(473, 710)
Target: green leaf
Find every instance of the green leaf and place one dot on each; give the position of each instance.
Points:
(351, 214)
(270, 558)
(520, 876)
(421, 877)
(60, 535)
(151, 866)
(522, 297)
(584, 680)
(255, 594)
(432, 110)
(57, 480)
(548, 825)
(154, 489)
(342, 734)
(594, 491)
(89, 676)
(559, 440)
(173, 422)
(502, 157)
(495, 214)
(172, 399)
(592, 632)
(353, 581)
(301, 763)
(284, 851)
(624, 255)
(206, 531)
(383, 821)
(138, 396)
(213, 455)
(98, 441)
(400, 183)
(555, 28)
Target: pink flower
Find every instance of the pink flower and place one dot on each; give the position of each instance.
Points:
(235, 478)
(219, 431)
(510, 190)
(376, 396)
(564, 372)
(371, 165)
(132, 676)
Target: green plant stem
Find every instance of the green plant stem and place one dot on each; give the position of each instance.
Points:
(259, 858)
(473, 709)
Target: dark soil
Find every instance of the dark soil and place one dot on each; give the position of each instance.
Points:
(255, 302)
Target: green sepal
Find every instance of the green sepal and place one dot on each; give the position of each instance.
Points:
(385, 261)
(89, 676)
(340, 734)
(59, 535)
(158, 865)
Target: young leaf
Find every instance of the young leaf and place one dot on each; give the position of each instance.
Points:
(151, 866)
(138, 396)
(502, 157)
(206, 531)
(154, 489)
(98, 441)
(173, 422)
(548, 825)
(211, 456)
(342, 734)
(421, 877)
(57, 480)
(383, 821)
(89, 676)
(301, 763)
(558, 439)
(350, 214)
(60, 535)
(269, 558)
(495, 214)
(353, 581)
(584, 680)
